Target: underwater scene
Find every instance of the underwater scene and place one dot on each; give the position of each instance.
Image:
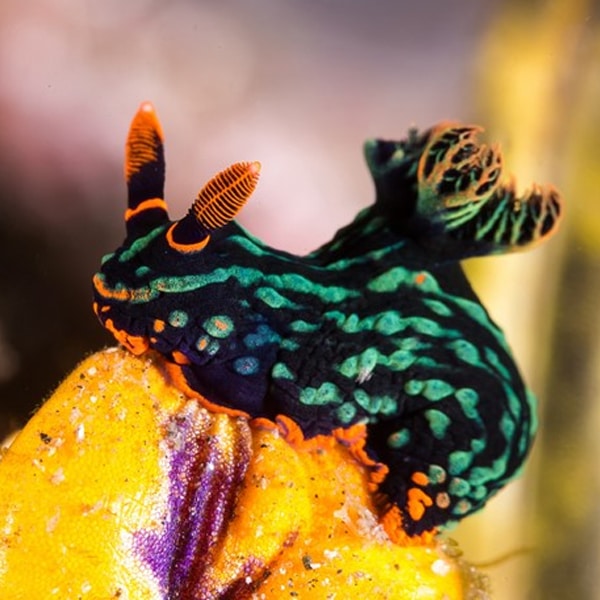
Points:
(319, 281)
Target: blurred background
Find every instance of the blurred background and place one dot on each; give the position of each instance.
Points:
(299, 85)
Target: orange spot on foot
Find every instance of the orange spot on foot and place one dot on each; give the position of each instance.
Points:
(180, 358)
(391, 521)
(417, 503)
(355, 439)
(420, 478)
(220, 325)
(442, 500)
(136, 344)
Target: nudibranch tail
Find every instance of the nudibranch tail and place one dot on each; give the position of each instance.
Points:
(218, 202)
(455, 169)
(460, 188)
(508, 222)
(145, 172)
(444, 189)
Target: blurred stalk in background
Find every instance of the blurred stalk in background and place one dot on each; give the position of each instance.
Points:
(539, 94)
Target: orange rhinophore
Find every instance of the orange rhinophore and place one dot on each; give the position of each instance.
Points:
(220, 200)
(217, 204)
(144, 141)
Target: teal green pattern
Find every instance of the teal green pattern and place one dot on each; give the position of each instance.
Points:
(378, 327)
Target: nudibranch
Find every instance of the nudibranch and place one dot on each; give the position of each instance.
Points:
(377, 332)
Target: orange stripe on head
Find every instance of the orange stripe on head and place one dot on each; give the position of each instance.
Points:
(106, 292)
(123, 295)
(185, 248)
(145, 205)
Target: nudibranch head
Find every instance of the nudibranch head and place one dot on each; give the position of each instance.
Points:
(376, 332)
(161, 260)
(217, 204)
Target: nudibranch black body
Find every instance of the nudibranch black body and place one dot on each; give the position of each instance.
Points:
(379, 327)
